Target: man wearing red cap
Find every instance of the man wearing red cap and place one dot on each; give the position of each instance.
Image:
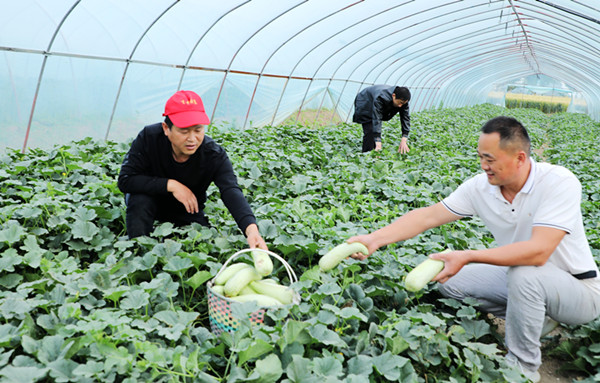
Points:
(169, 167)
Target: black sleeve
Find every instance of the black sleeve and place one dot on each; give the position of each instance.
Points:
(136, 171)
(405, 120)
(232, 195)
(377, 117)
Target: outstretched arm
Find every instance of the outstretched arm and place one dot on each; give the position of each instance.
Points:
(409, 225)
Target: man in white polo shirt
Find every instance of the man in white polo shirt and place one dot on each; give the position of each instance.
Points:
(542, 270)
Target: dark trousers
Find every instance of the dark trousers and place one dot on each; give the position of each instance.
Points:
(144, 209)
(368, 142)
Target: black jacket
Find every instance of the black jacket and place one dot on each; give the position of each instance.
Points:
(374, 104)
(149, 164)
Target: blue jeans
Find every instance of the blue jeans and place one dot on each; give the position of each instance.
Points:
(144, 209)
(524, 296)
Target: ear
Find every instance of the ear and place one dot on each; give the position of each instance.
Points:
(522, 157)
(165, 129)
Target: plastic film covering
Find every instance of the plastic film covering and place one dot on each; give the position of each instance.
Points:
(103, 69)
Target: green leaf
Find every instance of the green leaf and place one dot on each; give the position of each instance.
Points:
(269, 369)
(294, 331)
(361, 365)
(300, 370)
(258, 348)
(328, 367)
(89, 370)
(33, 252)
(84, 230)
(389, 365)
(27, 374)
(134, 300)
(198, 279)
(352, 313)
(476, 328)
(11, 232)
(9, 259)
(178, 264)
(326, 336)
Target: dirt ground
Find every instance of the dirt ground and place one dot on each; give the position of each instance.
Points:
(549, 371)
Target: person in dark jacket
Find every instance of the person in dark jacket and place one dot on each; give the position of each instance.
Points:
(378, 103)
(169, 167)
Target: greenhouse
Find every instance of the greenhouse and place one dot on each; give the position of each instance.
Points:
(276, 142)
(103, 69)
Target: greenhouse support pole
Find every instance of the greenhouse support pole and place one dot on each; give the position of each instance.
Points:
(39, 82)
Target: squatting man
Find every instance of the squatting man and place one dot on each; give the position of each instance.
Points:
(169, 167)
(542, 271)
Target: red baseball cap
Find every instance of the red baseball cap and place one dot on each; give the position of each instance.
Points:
(185, 108)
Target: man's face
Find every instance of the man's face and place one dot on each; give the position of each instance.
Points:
(397, 102)
(500, 165)
(184, 141)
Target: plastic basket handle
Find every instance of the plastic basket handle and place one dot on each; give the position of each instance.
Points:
(288, 268)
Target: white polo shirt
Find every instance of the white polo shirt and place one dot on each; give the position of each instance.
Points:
(551, 197)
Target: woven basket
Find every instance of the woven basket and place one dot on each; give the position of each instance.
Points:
(219, 307)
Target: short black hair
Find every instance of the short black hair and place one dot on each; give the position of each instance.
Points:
(512, 132)
(168, 122)
(402, 93)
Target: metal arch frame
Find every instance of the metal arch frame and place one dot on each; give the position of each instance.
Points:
(39, 82)
(282, 45)
(466, 77)
(430, 48)
(531, 51)
(414, 53)
(421, 77)
(187, 62)
(432, 28)
(368, 58)
(568, 26)
(545, 21)
(497, 56)
(321, 43)
(241, 47)
(547, 51)
(387, 47)
(493, 46)
(431, 69)
(542, 54)
(128, 61)
(430, 95)
(556, 47)
(474, 64)
(575, 27)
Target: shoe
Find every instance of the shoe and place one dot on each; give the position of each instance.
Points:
(549, 326)
(533, 376)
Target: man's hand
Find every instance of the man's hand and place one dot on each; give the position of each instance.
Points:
(378, 146)
(403, 148)
(453, 262)
(368, 241)
(253, 237)
(184, 195)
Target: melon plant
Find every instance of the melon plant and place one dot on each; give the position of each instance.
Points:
(81, 302)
